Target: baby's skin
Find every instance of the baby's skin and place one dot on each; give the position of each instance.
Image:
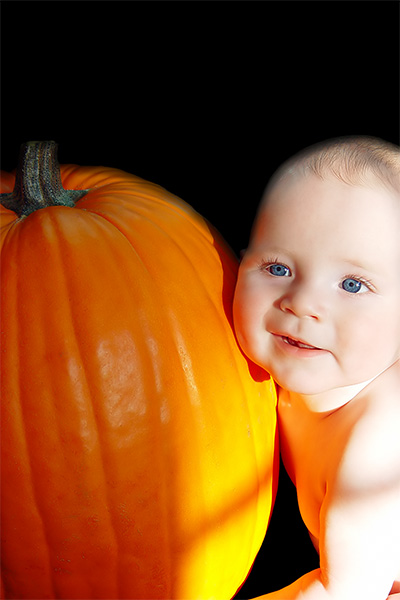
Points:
(317, 305)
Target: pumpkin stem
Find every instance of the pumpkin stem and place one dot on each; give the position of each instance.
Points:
(38, 181)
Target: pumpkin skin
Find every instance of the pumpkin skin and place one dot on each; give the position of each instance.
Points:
(138, 447)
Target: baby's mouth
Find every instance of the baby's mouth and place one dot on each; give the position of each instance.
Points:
(298, 344)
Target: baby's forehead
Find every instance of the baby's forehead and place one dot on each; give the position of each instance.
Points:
(294, 180)
(299, 195)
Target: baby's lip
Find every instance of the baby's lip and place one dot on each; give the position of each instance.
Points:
(294, 341)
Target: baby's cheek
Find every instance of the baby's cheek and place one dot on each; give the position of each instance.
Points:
(249, 335)
(241, 328)
(248, 310)
(242, 323)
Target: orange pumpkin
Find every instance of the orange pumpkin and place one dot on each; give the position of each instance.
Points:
(138, 444)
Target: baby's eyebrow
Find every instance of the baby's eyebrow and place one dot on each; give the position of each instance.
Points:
(359, 265)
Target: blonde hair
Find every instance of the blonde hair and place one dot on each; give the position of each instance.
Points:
(353, 160)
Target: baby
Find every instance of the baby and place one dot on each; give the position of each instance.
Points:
(317, 304)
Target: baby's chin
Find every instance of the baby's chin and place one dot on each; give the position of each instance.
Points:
(299, 385)
(300, 389)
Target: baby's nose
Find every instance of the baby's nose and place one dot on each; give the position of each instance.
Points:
(302, 302)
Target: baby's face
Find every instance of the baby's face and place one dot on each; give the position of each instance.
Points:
(317, 302)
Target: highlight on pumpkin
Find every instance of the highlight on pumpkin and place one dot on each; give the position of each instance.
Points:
(138, 443)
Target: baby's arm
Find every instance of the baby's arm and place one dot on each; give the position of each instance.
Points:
(311, 587)
(359, 522)
(360, 551)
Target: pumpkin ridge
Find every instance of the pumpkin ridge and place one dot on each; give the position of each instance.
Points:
(170, 203)
(170, 209)
(25, 439)
(61, 258)
(122, 230)
(101, 466)
(108, 474)
(173, 239)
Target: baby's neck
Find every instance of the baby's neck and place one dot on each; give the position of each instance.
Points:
(330, 400)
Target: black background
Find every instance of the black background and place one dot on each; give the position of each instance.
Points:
(205, 99)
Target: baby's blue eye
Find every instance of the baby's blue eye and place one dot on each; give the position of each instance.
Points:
(352, 285)
(278, 270)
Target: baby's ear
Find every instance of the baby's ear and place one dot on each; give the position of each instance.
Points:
(242, 253)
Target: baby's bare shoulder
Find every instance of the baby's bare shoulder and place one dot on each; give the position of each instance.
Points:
(372, 453)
